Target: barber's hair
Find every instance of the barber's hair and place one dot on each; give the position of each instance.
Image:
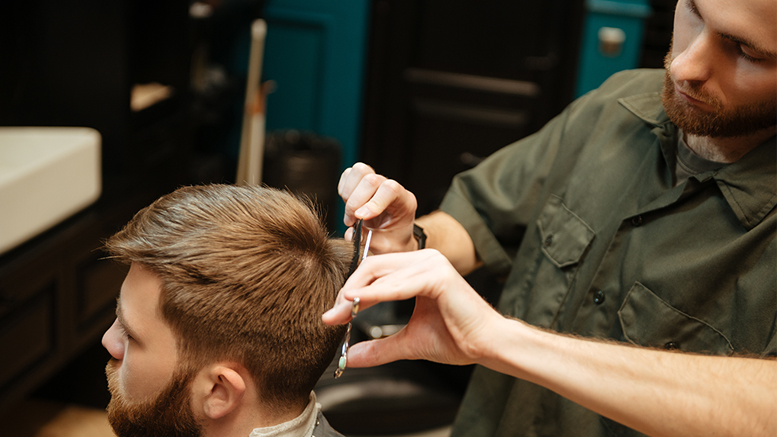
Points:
(246, 274)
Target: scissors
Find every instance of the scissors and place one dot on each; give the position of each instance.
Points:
(357, 237)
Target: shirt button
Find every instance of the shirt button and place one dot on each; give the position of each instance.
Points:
(670, 345)
(636, 221)
(599, 297)
(549, 240)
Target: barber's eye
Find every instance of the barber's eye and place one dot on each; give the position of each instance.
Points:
(743, 52)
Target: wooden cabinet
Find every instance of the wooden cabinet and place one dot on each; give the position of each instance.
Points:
(57, 295)
(27, 331)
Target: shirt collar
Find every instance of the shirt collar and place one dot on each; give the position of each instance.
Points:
(301, 426)
(749, 185)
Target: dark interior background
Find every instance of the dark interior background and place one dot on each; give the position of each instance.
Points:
(448, 83)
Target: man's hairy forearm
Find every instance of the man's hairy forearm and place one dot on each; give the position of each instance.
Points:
(656, 392)
(450, 238)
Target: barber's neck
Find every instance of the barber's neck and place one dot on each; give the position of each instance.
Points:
(728, 149)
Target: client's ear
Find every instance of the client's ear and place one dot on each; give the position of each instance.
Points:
(218, 390)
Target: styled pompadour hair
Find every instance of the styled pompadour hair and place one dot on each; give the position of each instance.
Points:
(246, 274)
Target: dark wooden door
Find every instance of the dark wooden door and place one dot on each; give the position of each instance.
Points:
(451, 81)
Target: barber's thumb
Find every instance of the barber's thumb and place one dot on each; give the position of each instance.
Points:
(348, 236)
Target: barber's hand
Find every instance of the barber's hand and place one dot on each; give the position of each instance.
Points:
(386, 207)
(451, 323)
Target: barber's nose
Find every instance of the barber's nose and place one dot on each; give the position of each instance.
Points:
(695, 63)
(113, 341)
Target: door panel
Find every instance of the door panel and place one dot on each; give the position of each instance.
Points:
(451, 81)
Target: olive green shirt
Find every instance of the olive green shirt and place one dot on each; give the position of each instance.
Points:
(585, 222)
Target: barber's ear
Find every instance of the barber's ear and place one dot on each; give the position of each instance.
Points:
(218, 390)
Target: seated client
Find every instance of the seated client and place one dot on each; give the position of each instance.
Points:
(218, 327)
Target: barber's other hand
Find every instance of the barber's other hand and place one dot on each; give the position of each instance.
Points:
(451, 323)
(386, 207)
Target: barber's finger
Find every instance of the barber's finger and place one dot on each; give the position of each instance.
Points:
(388, 192)
(383, 278)
(351, 177)
(363, 193)
(341, 182)
(340, 313)
(394, 276)
(376, 352)
(387, 288)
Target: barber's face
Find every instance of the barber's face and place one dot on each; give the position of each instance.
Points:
(146, 398)
(722, 68)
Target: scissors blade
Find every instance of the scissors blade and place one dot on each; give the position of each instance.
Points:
(357, 239)
(367, 244)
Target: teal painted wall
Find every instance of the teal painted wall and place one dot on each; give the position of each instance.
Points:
(316, 53)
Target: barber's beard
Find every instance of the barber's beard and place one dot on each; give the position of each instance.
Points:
(168, 415)
(720, 122)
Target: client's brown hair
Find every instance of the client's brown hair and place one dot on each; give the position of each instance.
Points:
(246, 274)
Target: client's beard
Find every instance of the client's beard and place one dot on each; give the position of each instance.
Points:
(168, 415)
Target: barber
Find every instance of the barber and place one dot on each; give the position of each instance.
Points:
(637, 232)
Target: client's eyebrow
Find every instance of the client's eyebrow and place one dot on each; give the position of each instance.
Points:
(122, 320)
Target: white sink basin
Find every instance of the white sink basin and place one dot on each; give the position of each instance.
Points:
(47, 174)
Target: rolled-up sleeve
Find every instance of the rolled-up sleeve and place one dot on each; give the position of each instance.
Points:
(496, 200)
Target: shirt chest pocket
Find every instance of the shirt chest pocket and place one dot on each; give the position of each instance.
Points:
(564, 239)
(647, 320)
(564, 235)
